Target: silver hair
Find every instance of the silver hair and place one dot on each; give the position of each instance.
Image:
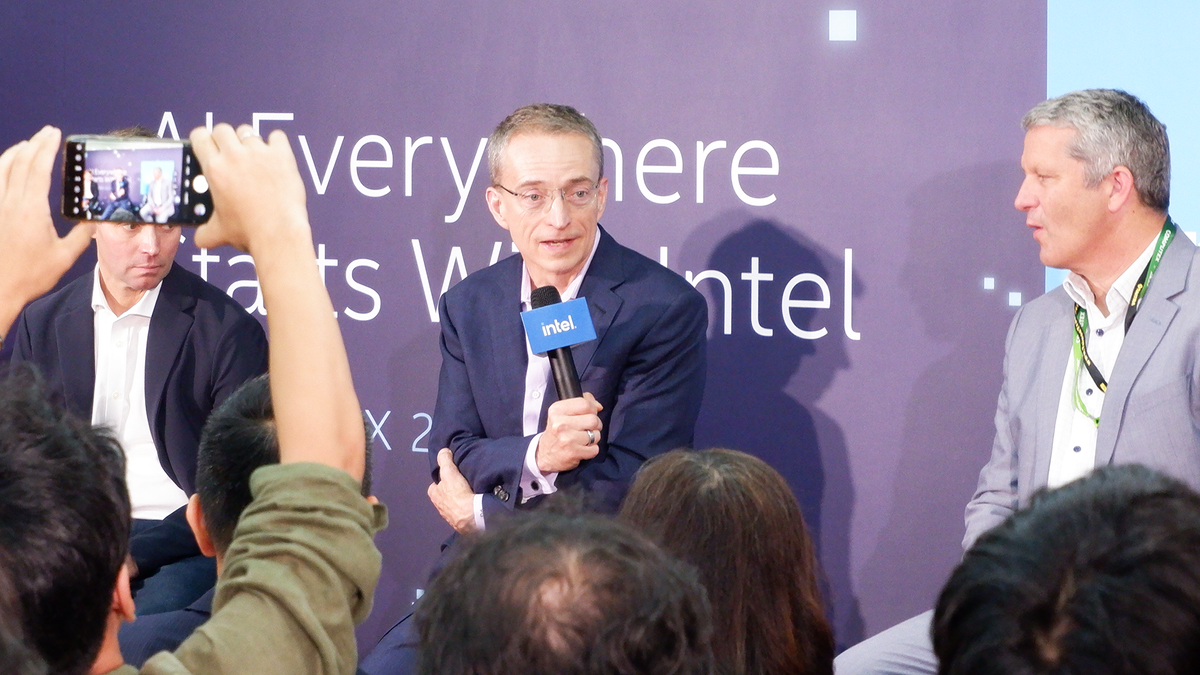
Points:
(546, 118)
(1112, 128)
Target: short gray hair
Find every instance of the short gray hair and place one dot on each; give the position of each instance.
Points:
(544, 118)
(1113, 128)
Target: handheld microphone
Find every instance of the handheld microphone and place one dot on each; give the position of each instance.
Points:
(562, 363)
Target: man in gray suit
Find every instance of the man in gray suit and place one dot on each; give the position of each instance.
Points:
(1096, 191)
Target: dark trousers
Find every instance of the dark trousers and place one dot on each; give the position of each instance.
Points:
(172, 573)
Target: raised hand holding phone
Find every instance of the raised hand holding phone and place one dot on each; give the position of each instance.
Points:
(32, 255)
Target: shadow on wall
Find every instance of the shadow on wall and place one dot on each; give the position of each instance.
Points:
(963, 229)
(761, 391)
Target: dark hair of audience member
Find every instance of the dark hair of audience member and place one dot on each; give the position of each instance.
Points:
(16, 658)
(239, 437)
(554, 594)
(65, 527)
(735, 518)
(1099, 576)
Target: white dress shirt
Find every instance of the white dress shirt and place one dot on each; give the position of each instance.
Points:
(119, 400)
(1073, 454)
(537, 376)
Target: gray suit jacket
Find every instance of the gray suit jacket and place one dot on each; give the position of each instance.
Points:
(1151, 412)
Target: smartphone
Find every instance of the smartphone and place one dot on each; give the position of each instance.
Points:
(144, 180)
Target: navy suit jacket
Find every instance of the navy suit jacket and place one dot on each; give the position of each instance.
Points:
(200, 348)
(646, 367)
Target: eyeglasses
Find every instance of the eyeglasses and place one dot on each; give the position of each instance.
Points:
(537, 200)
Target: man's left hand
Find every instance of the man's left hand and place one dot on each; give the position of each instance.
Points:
(453, 496)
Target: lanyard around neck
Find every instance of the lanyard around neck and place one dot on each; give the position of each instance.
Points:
(1135, 302)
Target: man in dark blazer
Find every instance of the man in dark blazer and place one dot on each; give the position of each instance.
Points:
(642, 377)
(645, 371)
(199, 347)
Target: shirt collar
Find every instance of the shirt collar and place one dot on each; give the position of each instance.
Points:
(572, 288)
(143, 307)
(1122, 289)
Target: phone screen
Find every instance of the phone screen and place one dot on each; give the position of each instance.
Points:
(145, 180)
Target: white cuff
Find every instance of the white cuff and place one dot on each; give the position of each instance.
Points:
(478, 504)
(533, 482)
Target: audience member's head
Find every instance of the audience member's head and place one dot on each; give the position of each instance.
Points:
(65, 528)
(238, 437)
(1099, 576)
(552, 594)
(735, 518)
(16, 657)
(1112, 128)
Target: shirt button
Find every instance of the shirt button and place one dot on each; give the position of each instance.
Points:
(535, 487)
(116, 396)
(1100, 331)
(120, 345)
(535, 395)
(1077, 448)
(1088, 392)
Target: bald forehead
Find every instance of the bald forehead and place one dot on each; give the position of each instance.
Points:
(536, 148)
(498, 162)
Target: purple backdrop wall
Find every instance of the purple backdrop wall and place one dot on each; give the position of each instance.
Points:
(886, 168)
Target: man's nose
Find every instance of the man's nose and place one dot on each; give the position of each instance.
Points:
(557, 216)
(1025, 199)
(148, 239)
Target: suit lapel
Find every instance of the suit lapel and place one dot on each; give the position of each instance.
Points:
(1056, 341)
(1144, 336)
(503, 342)
(74, 334)
(169, 326)
(605, 273)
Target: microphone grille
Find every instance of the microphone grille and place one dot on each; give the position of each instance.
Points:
(546, 295)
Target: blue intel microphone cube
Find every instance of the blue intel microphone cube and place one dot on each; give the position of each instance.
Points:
(558, 325)
(552, 326)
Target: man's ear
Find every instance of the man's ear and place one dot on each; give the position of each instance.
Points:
(492, 195)
(195, 518)
(1122, 189)
(122, 600)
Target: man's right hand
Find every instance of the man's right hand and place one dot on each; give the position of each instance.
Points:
(32, 256)
(566, 441)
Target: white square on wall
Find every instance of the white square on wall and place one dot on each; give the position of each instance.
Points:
(1014, 299)
(843, 25)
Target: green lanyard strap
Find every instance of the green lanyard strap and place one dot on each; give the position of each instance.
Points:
(1135, 302)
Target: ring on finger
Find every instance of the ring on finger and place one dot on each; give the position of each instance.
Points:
(591, 437)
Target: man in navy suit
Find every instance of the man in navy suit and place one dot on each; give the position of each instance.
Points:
(642, 377)
(148, 349)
